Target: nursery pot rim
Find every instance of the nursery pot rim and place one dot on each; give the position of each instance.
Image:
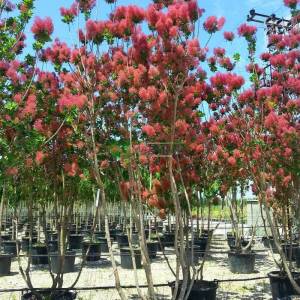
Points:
(2, 254)
(241, 253)
(282, 274)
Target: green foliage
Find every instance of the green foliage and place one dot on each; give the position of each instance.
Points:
(236, 57)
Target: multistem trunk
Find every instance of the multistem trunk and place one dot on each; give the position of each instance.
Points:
(276, 236)
(2, 209)
(112, 257)
(129, 234)
(179, 222)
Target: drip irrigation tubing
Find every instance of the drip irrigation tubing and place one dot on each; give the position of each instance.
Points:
(123, 286)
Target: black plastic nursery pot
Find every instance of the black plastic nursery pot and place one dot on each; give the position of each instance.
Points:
(53, 236)
(5, 237)
(268, 242)
(103, 244)
(135, 238)
(202, 243)
(122, 240)
(25, 243)
(126, 259)
(297, 255)
(5, 263)
(290, 251)
(169, 239)
(240, 262)
(68, 264)
(113, 233)
(152, 249)
(207, 232)
(39, 255)
(10, 247)
(75, 241)
(47, 295)
(201, 290)
(160, 245)
(94, 250)
(53, 246)
(281, 286)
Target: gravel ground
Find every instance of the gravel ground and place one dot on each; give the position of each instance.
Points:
(100, 274)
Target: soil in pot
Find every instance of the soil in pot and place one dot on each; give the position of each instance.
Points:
(94, 252)
(122, 240)
(152, 247)
(69, 262)
(126, 259)
(46, 295)
(39, 254)
(241, 262)
(5, 263)
(201, 290)
(281, 286)
(75, 241)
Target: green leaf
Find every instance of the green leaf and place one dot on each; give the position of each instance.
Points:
(236, 57)
(11, 105)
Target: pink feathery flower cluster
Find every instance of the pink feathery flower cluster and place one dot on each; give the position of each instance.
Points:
(72, 169)
(30, 107)
(58, 53)
(69, 13)
(246, 30)
(39, 157)
(149, 130)
(229, 36)
(229, 80)
(86, 5)
(95, 30)
(42, 27)
(213, 24)
(291, 3)
(68, 101)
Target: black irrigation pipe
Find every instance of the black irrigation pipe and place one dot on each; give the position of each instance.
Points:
(245, 279)
(123, 286)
